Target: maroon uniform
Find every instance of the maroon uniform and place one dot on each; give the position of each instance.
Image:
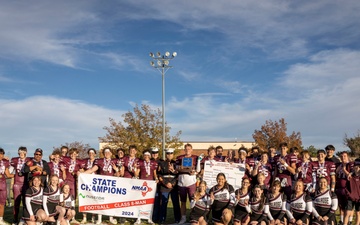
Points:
(341, 181)
(71, 169)
(305, 175)
(20, 186)
(55, 169)
(266, 170)
(4, 164)
(283, 174)
(105, 166)
(130, 166)
(147, 169)
(87, 164)
(325, 169)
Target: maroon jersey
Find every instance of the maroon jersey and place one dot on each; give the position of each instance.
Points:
(105, 166)
(266, 170)
(281, 169)
(87, 164)
(4, 163)
(18, 165)
(130, 165)
(55, 169)
(147, 169)
(325, 169)
(341, 178)
(305, 175)
(71, 168)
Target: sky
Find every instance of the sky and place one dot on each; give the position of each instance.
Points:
(66, 67)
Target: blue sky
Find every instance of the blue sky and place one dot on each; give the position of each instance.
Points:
(67, 66)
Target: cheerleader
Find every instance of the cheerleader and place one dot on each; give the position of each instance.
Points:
(325, 204)
(300, 206)
(33, 211)
(200, 205)
(259, 205)
(222, 197)
(51, 200)
(242, 208)
(277, 203)
(68, 202)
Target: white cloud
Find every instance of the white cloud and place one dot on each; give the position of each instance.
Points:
(45, 121)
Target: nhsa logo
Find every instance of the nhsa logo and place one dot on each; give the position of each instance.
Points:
(144, 188)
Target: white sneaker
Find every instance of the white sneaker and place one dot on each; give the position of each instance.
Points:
(183, 220)
(112, 220)
(98, 222)
(93, 219)
(138, 221)
(150, 221)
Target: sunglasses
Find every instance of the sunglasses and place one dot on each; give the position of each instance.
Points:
(38, 154)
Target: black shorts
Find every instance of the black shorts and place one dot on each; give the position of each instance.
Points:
(351, 205)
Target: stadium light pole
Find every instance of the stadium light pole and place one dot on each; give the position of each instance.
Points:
(161, 63)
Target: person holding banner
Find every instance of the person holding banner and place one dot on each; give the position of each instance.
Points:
(147, 171)
(167, 176)
(130, 163)
(105, 166)
(222, 197)
(87, 164)
(186, 165)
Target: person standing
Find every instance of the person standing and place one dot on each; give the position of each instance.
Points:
(20, 186)
(57, 167)
(187, 177)
(37, 167)
(330, 149)
(322, 168)
(4, 172)
(167, 176)
(147, 171)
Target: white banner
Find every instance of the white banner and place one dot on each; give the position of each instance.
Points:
(234, 172)
(116, 196)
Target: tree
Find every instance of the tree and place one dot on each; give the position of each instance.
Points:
(82, 148)
(312, 150)
(273, 133)
(143, 128)
(353, 143)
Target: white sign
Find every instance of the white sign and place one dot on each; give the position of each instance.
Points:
(234, 172)
(116, 196)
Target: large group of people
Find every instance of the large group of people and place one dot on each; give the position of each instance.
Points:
(279, 186)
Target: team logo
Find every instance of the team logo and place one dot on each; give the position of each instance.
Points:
(144, 188)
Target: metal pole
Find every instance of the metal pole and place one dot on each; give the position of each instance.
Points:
(163, 112)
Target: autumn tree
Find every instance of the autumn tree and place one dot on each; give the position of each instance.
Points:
(81, 147)
(353, 143)
(142, 127)
(312, 150)
(273, 133)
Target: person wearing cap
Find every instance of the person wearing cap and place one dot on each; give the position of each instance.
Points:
(187, 178)
(37, 167)
(147, 171)
(285, 165)
(20, 186)
(167, 176)
(4, 173)
(87, 164)
(353, 190)
(105, 166)
(330, 149)
(322, 168)
(155, 154)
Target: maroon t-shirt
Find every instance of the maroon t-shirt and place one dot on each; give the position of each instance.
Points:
(147, 169)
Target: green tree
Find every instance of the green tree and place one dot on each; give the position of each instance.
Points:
(312, 150)
(273, 133)
(143, 128)
(81, 147)
(353, 143)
